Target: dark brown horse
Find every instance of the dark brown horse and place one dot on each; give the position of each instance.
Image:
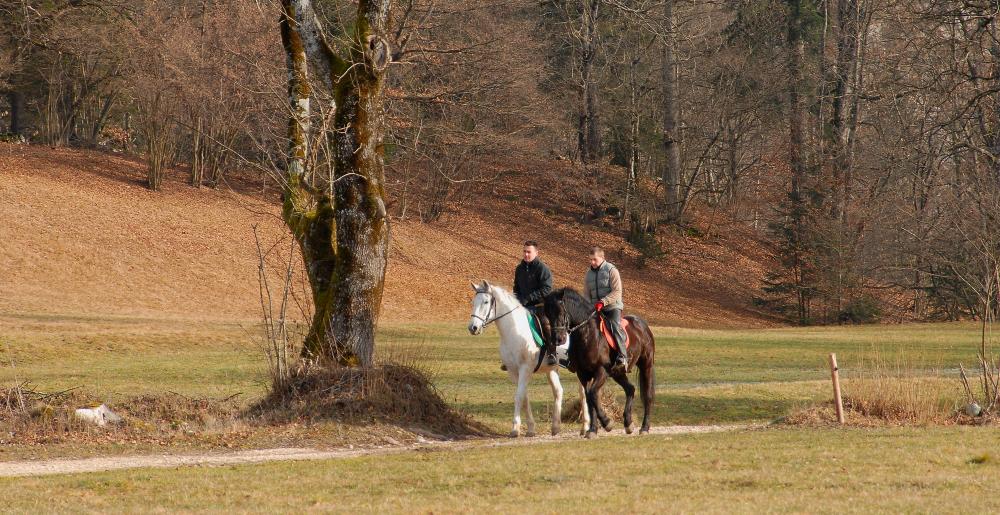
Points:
(590, 355)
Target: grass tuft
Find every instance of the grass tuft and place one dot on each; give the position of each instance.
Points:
(982, 459)
(889, 392)
(571, 411)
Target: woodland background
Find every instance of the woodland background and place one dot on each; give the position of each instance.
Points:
(860, 138)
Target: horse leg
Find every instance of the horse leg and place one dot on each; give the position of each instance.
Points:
(599, 379)
(557, 394)
(629, 396)
(589, 414)
(647, 389)
(594, 403)
(519, 395)
(527, 408)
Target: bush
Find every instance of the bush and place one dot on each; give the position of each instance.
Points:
(864, 310)
(644, 241)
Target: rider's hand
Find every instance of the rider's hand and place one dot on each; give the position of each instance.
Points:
(599, 306)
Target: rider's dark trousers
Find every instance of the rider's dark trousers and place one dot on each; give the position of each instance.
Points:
(613, 317)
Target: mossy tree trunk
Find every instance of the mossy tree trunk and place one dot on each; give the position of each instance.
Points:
(343, 230)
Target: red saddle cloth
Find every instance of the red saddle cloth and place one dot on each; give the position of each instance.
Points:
(609, 337)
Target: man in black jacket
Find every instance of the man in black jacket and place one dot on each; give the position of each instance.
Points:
(532, 282)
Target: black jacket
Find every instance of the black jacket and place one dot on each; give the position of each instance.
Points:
(532, 282)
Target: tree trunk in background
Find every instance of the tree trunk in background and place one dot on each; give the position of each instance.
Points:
(197, 151)
(671, 116)
(344, 236)
(16, 101)
(589, 134)
(633, 139)
(845, 102)
(796, 158)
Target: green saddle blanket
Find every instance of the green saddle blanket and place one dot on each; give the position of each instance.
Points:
(535, 333)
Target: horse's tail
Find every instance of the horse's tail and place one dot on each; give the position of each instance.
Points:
(646, 362)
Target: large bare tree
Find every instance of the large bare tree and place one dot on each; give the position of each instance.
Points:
(342, 228)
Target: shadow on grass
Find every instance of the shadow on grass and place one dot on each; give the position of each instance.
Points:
(669, 409)
(697, 410)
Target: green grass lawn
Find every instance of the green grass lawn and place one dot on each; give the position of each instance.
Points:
(777, 470)
(702, 376)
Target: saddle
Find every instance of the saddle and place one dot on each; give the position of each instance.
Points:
(609, 337)
(536, 330)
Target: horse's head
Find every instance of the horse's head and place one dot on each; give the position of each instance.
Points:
(483, 306)
(555, 311)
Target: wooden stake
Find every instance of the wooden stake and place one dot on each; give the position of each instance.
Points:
(836, 387)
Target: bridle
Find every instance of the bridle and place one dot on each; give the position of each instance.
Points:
(564, 320)
(493, 308)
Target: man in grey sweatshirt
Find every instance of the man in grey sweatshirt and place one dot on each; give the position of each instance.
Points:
(603, 286)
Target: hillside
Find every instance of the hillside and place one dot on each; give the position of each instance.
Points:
(79, 234)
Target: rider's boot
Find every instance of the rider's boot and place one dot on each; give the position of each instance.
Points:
(621, 363)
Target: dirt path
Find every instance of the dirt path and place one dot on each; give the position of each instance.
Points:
(99, 464)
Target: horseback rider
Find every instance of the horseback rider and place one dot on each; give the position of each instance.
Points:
(603, 286)
(532, 282)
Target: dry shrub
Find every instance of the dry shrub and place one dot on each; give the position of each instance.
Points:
(882, 392)
(28, 416)
(571, 411)
(908, 400)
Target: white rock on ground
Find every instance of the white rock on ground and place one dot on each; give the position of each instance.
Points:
(101, 415)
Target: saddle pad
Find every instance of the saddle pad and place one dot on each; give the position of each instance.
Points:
(611, 339)
(535, 333)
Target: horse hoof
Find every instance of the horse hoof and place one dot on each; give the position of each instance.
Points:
(513, 434)
(529, 434)
(591, 434)
(583, 432)
(644, 431)
(555, 431)
(609, 427)
(629, 429)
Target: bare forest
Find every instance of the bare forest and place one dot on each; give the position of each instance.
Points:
(861, 137)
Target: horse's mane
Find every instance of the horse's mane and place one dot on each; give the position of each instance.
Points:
(578, 308)
(502, 291)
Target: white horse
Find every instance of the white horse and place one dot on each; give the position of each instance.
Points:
(518, 352)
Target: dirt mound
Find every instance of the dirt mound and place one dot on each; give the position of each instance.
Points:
(400, 394)
(82, 235)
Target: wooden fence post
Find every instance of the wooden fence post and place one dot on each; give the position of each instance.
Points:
(836, 387)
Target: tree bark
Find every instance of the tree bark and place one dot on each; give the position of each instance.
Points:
(16, 101)
(796, 158)
(344, 236)
(589, 134)
(671, 116)
(845, 101)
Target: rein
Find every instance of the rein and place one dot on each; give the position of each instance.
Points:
(581, 324)
(493, 306)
